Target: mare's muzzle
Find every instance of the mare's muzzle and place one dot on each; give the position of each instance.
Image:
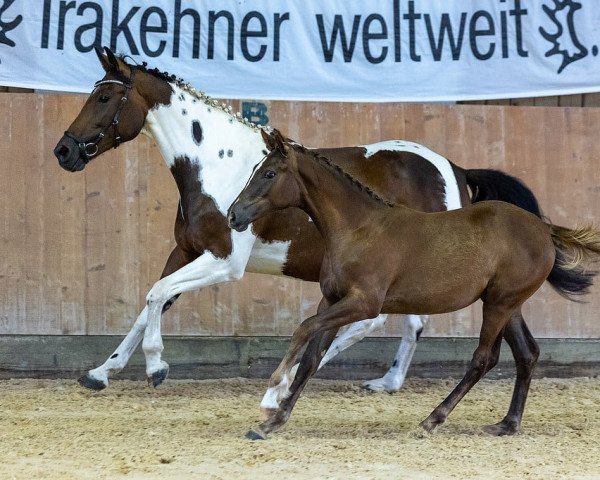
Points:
(70, 155)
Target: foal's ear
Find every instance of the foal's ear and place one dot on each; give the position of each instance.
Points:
(274, 140)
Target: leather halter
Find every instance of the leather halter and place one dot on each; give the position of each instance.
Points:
(88, 149)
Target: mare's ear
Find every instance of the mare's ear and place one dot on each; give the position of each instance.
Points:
(103, 59)
(112, 64)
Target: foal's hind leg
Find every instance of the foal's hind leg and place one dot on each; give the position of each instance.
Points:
(526, 352)
(484, 359)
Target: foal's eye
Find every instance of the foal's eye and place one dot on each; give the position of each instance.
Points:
(269, 174)
(104, 98)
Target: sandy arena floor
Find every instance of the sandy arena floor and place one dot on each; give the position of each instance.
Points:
(54, 429)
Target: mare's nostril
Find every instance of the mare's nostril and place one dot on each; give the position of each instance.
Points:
(62, 152)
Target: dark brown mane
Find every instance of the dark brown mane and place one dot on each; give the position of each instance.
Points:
(155, 72)
(341, 172)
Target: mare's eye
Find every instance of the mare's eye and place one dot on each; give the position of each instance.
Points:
(104, 98)
(269, 174)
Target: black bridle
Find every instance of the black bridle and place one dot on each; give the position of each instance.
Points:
(88, 149)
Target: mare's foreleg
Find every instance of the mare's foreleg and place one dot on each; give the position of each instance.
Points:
(97, 378)
(484, 359)
(204, 271)
(391, 382)
(526, 352)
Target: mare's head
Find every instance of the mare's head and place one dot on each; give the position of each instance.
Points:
(115, 111)
(273, 186)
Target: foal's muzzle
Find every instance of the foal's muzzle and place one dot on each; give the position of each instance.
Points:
(237, 221)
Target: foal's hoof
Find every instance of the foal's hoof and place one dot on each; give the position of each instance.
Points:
(256, 434)
(158, 377)
(269, 414)
(502, 428)
(92, 383)
(431, 423)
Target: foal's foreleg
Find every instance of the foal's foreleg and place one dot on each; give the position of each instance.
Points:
(484, 359)
(275, 418)
(347, 310)
(526, 352)
(97, 378)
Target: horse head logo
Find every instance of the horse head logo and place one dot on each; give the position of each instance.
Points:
(8, 26)
(564, 40)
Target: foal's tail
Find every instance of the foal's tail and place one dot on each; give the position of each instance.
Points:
(575, 250)
(488, 184)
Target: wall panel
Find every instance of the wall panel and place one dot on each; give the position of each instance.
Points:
(80, 251)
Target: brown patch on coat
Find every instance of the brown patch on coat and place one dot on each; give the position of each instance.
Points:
(199, 226)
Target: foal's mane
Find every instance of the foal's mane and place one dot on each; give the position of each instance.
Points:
(181, 83)
(324, 161)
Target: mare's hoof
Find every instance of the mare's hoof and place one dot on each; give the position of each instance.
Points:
(380, 385)
(501, 429)
(91, 383)
(158, 377)
(255, 435)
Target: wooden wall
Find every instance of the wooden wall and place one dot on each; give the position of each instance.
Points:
(80, 251)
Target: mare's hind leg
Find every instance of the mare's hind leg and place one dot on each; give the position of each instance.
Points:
(307, 367)
(526, 352)
(484, 359)
(391, 382)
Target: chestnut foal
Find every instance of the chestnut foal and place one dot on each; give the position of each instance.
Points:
(392, 259)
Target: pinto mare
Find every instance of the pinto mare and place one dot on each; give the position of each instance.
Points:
(211, 153)
(392, 259)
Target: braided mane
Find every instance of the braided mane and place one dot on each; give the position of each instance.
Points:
(322, 160)
(200, 95)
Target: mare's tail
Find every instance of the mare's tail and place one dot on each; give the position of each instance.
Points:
(575, 250)
(487, 184)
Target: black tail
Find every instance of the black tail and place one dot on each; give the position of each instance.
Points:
(496, 185)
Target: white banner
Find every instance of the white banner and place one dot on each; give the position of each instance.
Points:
(334, 50)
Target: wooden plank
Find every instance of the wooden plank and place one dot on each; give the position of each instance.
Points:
(82, 250)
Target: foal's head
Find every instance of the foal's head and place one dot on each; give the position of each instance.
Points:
(114, 113)
(273, 186)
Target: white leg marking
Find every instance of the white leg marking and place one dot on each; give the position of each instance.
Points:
(274, 395)
(395, 376)
(118, 360)
(204, 271)
(352, 334)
